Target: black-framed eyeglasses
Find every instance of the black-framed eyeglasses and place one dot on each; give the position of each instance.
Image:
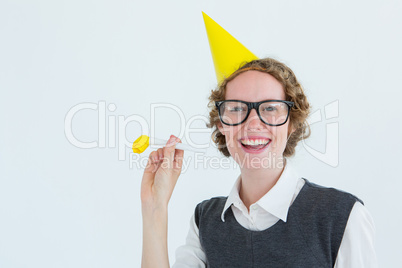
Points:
(271, 112)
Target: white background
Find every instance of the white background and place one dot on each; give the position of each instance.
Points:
(62, 206)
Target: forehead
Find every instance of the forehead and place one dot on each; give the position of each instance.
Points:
(254, 86)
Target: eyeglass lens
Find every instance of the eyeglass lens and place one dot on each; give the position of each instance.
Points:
(273, 113)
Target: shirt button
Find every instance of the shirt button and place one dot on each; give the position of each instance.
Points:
(254, 208)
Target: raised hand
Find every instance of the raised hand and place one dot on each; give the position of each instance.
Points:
(161, 174)
(159, 179)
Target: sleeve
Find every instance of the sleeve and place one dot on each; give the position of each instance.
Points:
(357, 246)
(191, 253)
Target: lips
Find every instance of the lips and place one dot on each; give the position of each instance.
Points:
(254, 144)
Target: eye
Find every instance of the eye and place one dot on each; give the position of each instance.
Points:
(236, 109)
(269, 108)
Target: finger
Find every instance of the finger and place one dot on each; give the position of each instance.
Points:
(179, 152)
(178, 157)
(159, 153)
(152, 161)
(148, 177)
(168, 152)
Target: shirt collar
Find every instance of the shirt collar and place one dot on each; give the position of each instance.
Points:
(233, 197)
(277, 201)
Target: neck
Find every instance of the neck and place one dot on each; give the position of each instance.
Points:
(255, 183)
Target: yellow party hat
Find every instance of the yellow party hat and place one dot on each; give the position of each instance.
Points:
(227, 53)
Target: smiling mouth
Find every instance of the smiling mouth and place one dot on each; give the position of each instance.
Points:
(257, 144)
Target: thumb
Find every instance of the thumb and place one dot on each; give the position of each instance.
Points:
(169, 151)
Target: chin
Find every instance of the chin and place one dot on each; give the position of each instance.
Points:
(263, 160)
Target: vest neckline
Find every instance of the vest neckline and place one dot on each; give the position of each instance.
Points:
(279, 222)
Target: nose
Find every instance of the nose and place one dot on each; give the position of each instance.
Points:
(253, 121)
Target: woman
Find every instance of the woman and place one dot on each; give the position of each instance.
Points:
(272, 217)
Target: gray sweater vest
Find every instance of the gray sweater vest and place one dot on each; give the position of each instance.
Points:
(310, 238)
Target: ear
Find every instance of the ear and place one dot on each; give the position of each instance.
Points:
(221, 128)
(291, 130)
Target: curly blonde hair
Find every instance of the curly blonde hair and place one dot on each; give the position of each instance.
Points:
(293, 91)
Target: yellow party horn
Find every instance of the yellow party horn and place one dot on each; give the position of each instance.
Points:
(143, 142)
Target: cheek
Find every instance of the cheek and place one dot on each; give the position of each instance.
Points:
(231, 135)
(280, 135)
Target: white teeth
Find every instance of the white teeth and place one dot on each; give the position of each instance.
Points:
(254, 142)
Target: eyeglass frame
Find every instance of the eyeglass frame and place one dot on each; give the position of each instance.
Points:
(256, 106)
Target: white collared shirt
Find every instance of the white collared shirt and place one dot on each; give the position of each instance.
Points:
(357, 246)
